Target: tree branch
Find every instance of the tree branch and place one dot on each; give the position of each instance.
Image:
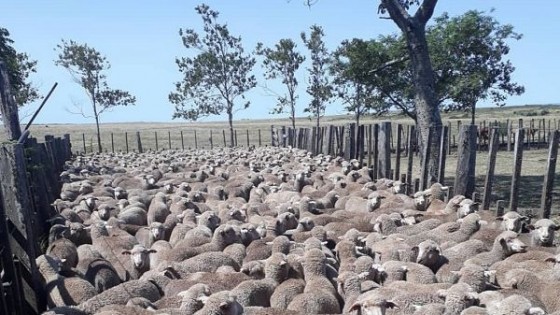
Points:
(397, 13)
(400, 105)
(389, 63)
(425, 11)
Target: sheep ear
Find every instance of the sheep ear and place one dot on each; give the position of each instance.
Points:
(126, 252)
(524, 218)
(551, 259)
(503, 242)
(500, 218)
(152, 251)
(555, 227)
(536, 311)
(530, 227)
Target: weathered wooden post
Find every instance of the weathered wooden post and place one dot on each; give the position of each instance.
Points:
(169, 139)
(155, 136)
(500, 208)
(195, 140)
(260, 139)
(183, 140)
(546, 198)
(425, 154)
(411, 143)
(370, 145)
(8, 106)
(398, 152)
(518, 156)
(442, 154)
(360, 145)
(247, 138)
(508, 135)
(211, 140)
(376, 151)
(224, 135)
(384, 146)
(139, 142)
(126, 140)
(84, 142)
(466, 161)
(491, 165)
(112, 143)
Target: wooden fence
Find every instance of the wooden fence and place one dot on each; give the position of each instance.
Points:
(29, 184)
(377, 145)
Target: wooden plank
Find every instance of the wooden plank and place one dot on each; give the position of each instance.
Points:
(546, 199)
(375, 151)
(518, 157)
(442, 154)
(398, 152)
(411, 143)
(139, 142)
(509, 135)
(18, 209)
(360, 144)
(384, 147)
(169, 139)
(195, 140)
(112, 143)
(466, 161)
(211, 140)
(224, 136)
(424, 171)
(369, 144)
(260, 138)
(491, 165)
(84, 142)
(126, 141)
(155, 136)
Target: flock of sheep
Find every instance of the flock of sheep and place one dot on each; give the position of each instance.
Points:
(277, 231)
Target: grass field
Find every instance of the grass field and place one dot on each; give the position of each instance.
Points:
(534, 160)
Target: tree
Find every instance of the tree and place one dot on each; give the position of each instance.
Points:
(283, 62)
(319, 86)
(469, 60)
(87, 66)
(214, 78)
(352, 84)
(19, 68)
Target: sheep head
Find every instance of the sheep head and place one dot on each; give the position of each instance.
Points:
(140, 256)
(543, 232)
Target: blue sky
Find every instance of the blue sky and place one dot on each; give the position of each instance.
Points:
(141, 41)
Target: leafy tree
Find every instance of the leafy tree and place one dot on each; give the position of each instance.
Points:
(214, 78)
(351, 66)
(87, 66)
(19, 68)
(320, 87)
(283, 62)
(413, 27)
(469, 60)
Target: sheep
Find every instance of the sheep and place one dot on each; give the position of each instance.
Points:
(258, 292)
(190, 300)
(121, 294)
(223, 236)
(140, 257)
(285, 293)
(505, 245)
(158, 210)
(319, 295)
(467, 227)
(99, 272)
(221, 303)
(65, 251)
(204, 262)
(514, 305)
(216, 281)
(526, 282)
(147, 236)
(62, 291)
(542, 233)
(409, 271)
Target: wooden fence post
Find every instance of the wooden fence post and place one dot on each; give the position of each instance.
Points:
(546, 198)
(398, 152)
(518, 156)
(491, 165)
(360, 144)
(224, 135)
(411, 144)
(384, 146)
(376, 151)
(466, 161)
(260, 139)
(195, 140)
(112, 143)
(169, 139)
(500, 208)
(370, 144)
(139, 142)
(425, 154)
(442, 154)
(211, 140)
(183, 140)
(84, 142)
(155, 135)
(126, 141)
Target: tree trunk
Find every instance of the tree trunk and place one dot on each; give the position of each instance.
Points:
(427, 107)
(96, 115)
(473, 112)
(230, 121)
(427, 110)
